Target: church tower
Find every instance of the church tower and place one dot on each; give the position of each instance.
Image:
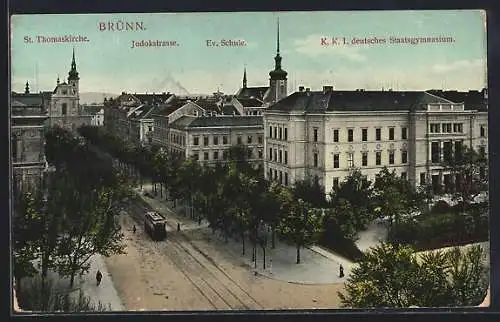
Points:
(278, 77)
(245, 77)
(73, 78)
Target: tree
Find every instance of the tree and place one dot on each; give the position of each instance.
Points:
(241, 189)
(395, 197)
(340, 220)
(310, 191)
(188, 174)
(302, 225)
(59, 144)
(356, 190)
(26, 232)
(238, 156)
(267, 207)
(89, 226)
(470, 170)
(394, 276)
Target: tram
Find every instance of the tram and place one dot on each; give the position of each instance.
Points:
(155, 226)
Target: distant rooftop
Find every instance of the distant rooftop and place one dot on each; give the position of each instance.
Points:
(362, 100)
(186, 122)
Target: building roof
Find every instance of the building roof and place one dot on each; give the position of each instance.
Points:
(174, 105)
(473, 100)
(229, 109)
(359, 100)
(92, 109)
(252, 92)
(208, 104)
(47, 95)
(153, 98)
(142, 111)
(250, 102)
(27, 99)
(189, 122)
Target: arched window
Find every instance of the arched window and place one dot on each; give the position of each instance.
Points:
(64, 109)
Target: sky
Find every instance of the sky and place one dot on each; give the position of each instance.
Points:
(108, 64)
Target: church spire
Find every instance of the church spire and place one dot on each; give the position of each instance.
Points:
(277, 59)
(245, 77)
(278, 38)
(73, 73)
(27, 88)
(278, 73)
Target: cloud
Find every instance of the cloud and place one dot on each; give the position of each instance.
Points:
(458, 65)
(311, 46)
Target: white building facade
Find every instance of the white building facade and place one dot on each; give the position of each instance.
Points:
(209, 139)
(327, 134)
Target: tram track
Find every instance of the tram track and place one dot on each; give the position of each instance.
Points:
(213, 283)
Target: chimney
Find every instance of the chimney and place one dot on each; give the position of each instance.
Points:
(327, 89)
(301, 88)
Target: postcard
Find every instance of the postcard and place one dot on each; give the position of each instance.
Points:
(249, 160)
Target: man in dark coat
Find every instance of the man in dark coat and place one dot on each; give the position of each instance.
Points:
(341, 271)
(98, 277)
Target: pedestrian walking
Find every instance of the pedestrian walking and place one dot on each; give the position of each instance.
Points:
(178, 227)
(98, 277)
(341, 271)
(134, 229)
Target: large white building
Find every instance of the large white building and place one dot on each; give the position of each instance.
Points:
(325, 134)
(208, 139)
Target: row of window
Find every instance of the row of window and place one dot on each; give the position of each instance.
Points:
(279, 176)
(445, 151)
(217, 155)
(276, 155)
(178, 139)
(453, 128)
(446, 128)
(364, 134)
(225, 140)
(278, 133)
(254, 113)
(364, 159)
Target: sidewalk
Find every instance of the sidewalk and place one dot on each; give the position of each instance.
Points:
(105, 292)
(318, 266)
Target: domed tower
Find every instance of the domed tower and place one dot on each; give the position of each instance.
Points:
(73, 78)
(278, 77)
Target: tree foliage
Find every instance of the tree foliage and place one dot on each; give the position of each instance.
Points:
(470, 170)
(354, 195)
(72, 217)
(26, 229)
(302, 224)
(395, 197)
(394, 276)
